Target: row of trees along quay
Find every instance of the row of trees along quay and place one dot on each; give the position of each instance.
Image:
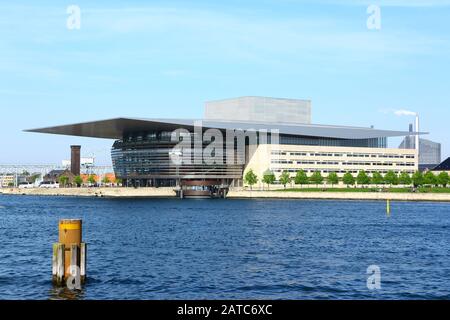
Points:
(418, 179)
(64, 181)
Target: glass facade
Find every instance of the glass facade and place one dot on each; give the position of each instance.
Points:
(429, 151)
(145, 159)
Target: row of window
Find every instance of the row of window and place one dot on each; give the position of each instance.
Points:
(290, 170)
(332, 142)
(352, 163)
(349, 155)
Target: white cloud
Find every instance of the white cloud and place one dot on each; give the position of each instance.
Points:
(258, 38)
(386, 3)
(398, 112)
(404, 113)
(141, 36)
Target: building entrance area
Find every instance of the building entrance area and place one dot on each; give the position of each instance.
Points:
(149, 183)
(202, 189)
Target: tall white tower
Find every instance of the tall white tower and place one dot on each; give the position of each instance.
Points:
(417, 144)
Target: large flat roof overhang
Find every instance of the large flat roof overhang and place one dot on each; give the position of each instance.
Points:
(115, 128)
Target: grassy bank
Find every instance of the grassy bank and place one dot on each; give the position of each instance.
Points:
(387, 190)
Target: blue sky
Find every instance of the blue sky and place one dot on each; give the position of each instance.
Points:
(165, 58)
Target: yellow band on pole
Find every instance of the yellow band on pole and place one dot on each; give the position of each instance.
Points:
(69, 227)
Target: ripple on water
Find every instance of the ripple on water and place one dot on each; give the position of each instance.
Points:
(240, 249)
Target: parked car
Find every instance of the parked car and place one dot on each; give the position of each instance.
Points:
(92, 185)
(49, 185)
(26, 185)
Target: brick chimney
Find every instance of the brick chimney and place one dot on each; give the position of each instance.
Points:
(75, 160)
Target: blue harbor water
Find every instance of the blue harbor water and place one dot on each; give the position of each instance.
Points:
(229, 249)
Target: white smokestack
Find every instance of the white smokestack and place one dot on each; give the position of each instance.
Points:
(417, 131)
(403, 112)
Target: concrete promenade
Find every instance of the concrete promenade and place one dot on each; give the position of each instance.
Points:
(233, 194)
(94, 192)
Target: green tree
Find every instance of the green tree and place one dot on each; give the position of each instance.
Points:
(391, 178)
(405, 179)
(333, 178)
(119, 181)
(285, 178)
(377, 178)
(269, 178)
(316, 178)
(443, 179)
(63, 180)
(430, 179)
(106, 180)
(34, 177)
(91, 179)
(251, 178)
(362, 178)
(301, 177)
(78, 181)
(348, 179)
(417, 179)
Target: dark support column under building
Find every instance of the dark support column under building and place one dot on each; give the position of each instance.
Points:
(75, 160)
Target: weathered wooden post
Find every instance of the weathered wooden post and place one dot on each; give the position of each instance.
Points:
(69, 255)
(58, 263)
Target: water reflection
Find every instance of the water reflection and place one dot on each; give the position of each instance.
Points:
(64, 293)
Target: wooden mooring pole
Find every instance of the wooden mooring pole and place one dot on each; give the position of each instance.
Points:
(69, 254)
